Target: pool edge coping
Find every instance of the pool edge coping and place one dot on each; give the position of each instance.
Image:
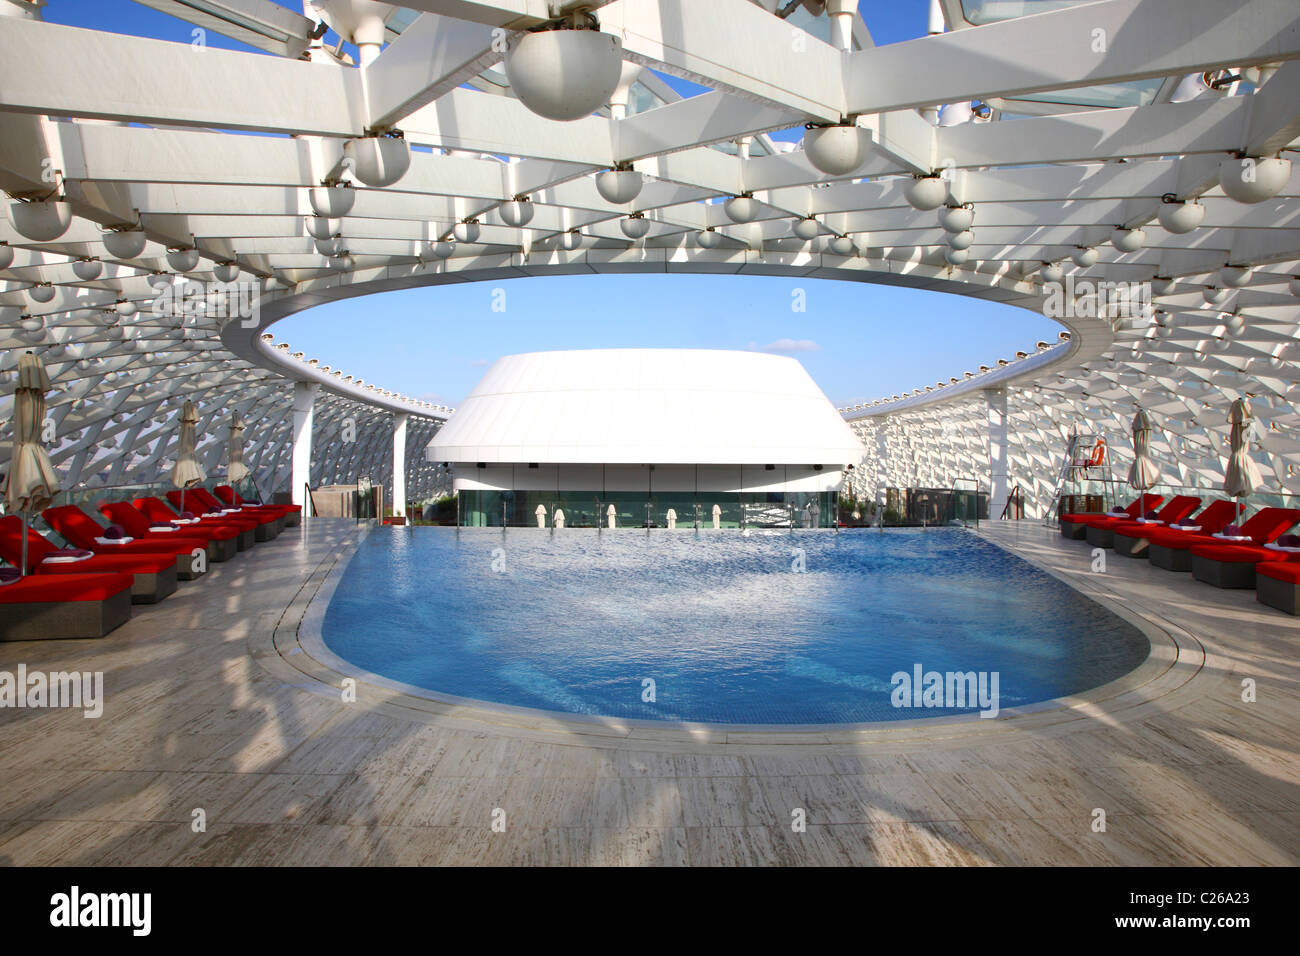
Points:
(297, 643)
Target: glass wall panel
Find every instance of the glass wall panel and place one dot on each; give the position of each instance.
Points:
(637, 509)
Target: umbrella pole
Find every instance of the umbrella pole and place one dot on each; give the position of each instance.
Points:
(23, 565)
(182, 500)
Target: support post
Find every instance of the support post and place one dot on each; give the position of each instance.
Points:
(304, 413)
(399, 463)
(841, 14)
(882, 469)
(998, 481)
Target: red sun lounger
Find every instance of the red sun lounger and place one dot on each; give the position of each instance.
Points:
(81, 531)
(154, 574)
(1277, 584)
(222, 543)
(1076, 525)
(155, 510)
(291, 513)
(1133, 540)
(1229, 565)
(1101, 532)
(51, 606)
(269, 522)
(199, 500)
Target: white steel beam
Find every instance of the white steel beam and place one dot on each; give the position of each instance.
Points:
(433, 56)
(708, 118)
(1104, 42)
(771, 61)
(259, 23)
(514, 14)
(66, 71)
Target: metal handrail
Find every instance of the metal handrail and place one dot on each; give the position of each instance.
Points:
(159, 488)
(1017, 498)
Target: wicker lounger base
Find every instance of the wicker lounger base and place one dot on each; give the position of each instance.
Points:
(219, 551)
(150, 588)
(1099, 537)
(60, 620)
(1223, 574)
(1131, 547)
(185, 566)
(1283, 595)
(1171, 559)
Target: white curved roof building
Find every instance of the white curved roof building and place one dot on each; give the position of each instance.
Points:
(647, 406)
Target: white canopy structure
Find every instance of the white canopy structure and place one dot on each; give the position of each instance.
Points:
(1003, 156)
(647, 406)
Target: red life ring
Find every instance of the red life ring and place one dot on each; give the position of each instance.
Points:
(1098, 453)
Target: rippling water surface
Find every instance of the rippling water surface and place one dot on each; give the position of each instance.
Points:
(723, 624)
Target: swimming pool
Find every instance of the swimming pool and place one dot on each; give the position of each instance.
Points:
(721, 627)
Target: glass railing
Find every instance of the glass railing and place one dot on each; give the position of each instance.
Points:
(366, 502)
(964, 503)
(633, 509)
(88, 498)
(1085, 496)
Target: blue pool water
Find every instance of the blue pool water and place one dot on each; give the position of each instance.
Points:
(722, 623)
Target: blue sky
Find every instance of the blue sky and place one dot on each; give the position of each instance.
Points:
(888, 22)
(859, 341)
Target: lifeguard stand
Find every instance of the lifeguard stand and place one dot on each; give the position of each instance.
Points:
(1085, 478)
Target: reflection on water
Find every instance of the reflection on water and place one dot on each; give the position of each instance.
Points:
(723, 625)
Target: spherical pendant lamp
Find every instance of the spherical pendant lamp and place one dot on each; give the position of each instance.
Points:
(836, 150)
(564, 74)
(40, 221)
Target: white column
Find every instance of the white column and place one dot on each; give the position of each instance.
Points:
(931, 113)
(304, 412)
(618, 100)
(315, 48)
(937, 24)
(841, 13)
(368, 34)
(998, 490)
(399, 463)
(882, 467)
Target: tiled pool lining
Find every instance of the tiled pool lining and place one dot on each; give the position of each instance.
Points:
(299, 653)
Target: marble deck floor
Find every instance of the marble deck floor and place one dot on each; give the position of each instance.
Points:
(206, 710)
